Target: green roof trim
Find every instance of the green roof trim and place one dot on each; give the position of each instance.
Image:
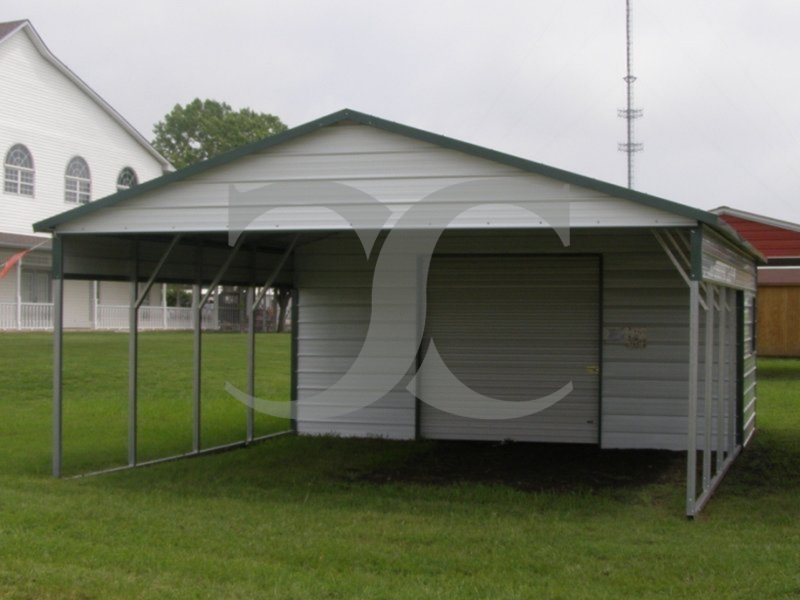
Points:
(611, 189)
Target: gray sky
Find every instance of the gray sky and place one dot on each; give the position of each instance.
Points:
(717, 79)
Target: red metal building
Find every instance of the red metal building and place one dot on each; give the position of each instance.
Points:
(778, 301)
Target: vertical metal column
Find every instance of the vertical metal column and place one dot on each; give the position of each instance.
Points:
(198, 322)
(734, 370)
(133, 357)
(694, 352)
(722, 373)
(251, 361)
(198, 303)
(58, 350)
(294, 396)
(708, 393)
(252, 302)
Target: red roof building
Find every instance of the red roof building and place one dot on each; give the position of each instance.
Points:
(778, 241)
(778, 301)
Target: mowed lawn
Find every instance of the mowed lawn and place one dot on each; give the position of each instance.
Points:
(297, 517)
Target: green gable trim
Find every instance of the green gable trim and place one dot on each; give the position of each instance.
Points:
(352, 116)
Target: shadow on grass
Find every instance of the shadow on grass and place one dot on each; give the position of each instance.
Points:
(281, 465)
(533, 467)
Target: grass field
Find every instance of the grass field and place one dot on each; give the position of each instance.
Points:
(319, 518)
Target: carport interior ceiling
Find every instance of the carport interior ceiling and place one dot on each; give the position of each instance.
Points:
(196, 258)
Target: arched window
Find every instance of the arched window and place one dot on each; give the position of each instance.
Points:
(78, 182)
(19, 171)
(127, 179)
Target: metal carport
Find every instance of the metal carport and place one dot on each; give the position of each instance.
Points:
(299, 195)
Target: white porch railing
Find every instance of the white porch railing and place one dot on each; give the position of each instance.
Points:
(39, 316)
(28, 315)
(153, 317)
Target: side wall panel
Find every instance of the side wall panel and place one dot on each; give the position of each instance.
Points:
(645, 330)
(335, 282)
(645, 350)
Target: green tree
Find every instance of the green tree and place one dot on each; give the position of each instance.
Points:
(206, 128)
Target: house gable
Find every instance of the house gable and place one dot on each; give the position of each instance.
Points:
(56, 117)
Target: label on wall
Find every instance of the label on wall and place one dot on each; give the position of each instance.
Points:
(630, 337)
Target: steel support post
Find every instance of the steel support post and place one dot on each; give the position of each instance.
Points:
(694, 353)
(708, 392)
(58, 351)
(721, 375)
(253, 301)
(734, 384)
(198, 303)
(197, 326)
(133, 357)
(251, 361)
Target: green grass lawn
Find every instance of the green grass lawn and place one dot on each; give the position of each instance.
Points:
(301, 517)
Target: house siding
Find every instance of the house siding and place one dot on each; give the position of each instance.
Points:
(55, 120)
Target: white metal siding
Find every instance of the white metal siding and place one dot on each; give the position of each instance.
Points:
(55, 120)
(645, 389)
(335, 281)
(395, 170)
(646, 348)
(516, 328)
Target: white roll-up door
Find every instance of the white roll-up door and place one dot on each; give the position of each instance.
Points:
(517, 328)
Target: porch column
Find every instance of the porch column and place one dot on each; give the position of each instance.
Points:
(18, 298)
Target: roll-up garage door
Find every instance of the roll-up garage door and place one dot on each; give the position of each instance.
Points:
(517, 328)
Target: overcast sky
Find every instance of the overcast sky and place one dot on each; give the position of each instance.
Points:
(718, 80)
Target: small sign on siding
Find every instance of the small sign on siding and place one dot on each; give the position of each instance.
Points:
(634, 338)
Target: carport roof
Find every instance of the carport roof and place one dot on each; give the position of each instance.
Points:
(352, 116)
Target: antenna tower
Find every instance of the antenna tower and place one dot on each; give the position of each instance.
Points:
(630, 114)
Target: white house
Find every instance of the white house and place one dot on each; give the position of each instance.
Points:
(62, 146)
(566, 309)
